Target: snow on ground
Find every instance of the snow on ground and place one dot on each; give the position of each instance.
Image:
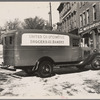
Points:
(83, 85)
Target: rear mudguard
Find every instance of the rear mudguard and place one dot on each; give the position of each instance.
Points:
(89, 59)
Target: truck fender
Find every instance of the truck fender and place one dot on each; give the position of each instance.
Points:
(40, 60)
(89, 59)
(92, 57)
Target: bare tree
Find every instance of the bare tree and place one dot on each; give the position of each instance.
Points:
(11, 25)
(29, 23)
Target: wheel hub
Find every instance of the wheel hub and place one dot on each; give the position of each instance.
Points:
(46, 69)
(97, 63)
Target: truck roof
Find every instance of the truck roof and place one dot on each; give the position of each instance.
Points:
(21, 31)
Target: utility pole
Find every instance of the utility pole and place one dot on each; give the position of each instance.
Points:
(50, 16)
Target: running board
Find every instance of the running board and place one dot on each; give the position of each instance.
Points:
(68, 64)
(82, 63)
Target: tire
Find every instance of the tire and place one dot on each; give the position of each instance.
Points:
(45, 69)
(96, 63)
(28, 71)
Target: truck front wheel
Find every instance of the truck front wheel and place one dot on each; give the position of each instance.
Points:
(96, 63)
(45, 69)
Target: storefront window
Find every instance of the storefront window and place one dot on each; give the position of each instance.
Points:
(87, 41)
(84, 42)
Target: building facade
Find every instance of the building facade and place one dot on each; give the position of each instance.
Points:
(81, 18)
(89, 23)
(68, 17)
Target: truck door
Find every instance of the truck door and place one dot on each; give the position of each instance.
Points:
(87, 46)
(76, 50)
(8, 50)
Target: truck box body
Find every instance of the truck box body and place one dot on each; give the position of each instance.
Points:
(17, 51)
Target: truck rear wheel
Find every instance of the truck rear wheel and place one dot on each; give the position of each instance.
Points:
(96, 63)
(45, 69)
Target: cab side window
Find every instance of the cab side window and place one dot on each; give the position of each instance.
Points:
(75, 42)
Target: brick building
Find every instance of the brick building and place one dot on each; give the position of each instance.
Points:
(82, 18)
(68, 17)
(89, 23)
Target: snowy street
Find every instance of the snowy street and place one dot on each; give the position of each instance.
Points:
(66, 84)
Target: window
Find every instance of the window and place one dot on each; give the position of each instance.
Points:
(87, 16)
(10, 40)
(83, 3)
(5, 41)
(84, 42)
(68, 22)
(68, 5)
(81, 22)
(87, 41)
(80, 4)
(84, 19)
(64, 25)
(72, 3)
(94, 12)
(74, 21)
(75, 24)
(72, 14)
(75, 42)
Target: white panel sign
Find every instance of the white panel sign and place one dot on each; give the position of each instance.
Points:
(35, 39)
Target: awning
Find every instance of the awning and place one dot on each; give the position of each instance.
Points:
(85, 32)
